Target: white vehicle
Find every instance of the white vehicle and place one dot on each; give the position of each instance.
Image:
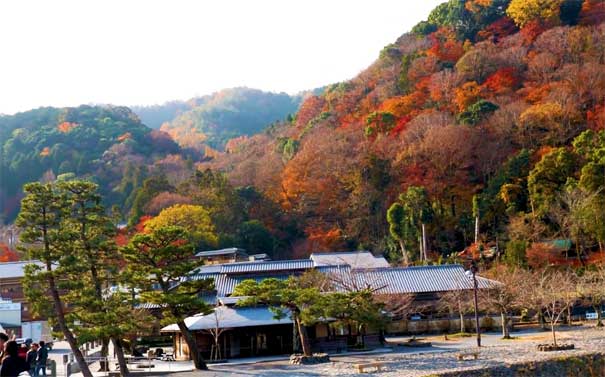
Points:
(593, 315)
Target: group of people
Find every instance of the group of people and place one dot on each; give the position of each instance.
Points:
(13, 364)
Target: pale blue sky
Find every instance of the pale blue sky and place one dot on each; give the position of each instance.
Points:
(127, 52)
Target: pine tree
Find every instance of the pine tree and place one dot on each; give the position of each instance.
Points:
(160, 259)
(98, 312)
(41, 218)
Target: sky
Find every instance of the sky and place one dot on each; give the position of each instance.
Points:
(129, 52)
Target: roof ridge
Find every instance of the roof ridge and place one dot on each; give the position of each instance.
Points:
(20, 261)
(432, 266)
(341, 252)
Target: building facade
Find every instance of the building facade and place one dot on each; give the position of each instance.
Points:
(246, 332)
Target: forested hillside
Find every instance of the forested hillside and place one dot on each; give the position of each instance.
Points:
(484, 127)
(490, 109)
(106, 144)
(214, 119)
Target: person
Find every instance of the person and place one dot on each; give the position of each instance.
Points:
(31, 357)
(3, 340)
(41, 360)
(12, 364)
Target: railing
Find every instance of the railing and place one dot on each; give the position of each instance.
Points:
(109, 366)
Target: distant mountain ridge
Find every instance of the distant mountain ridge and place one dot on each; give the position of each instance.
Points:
(213, 119)
(107, 144)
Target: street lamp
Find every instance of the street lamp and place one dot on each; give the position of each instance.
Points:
(472, 272)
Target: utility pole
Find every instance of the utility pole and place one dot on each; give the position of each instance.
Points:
(474, 269)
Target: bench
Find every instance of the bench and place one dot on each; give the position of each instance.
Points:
(467, 355)
(362, 367)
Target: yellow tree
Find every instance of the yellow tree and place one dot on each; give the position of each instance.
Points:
(193, 218)
(525, 11)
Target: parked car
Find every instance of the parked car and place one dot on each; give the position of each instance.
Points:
(593, 315)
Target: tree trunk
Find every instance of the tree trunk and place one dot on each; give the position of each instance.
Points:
(194, 352)
(362, 339)
(541, 320)
(597, 309)
(420, 249)
(552, 329)
(295, 338)
(404, 253)
(476, 229)
(462, 325)
(58, 305)
(69, 336)
(304, 338)
(505, 329)
(104, 365)
(119, 350)
(424, 242)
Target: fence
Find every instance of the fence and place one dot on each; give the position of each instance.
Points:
(108, 366)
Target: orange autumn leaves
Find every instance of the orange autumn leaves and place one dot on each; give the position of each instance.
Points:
(7, 255)
(66, 127)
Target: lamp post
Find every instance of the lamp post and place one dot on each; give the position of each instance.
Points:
(473, 271)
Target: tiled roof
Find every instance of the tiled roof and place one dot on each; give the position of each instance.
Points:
(355, 259)
(419, 279)
(228, 251)
(266, 266)
(229, 317)
(225, 284)
(10, 270)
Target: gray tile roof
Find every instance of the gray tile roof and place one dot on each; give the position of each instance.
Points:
(9, 270)
(421, 279)
(228, 251)
(267, 266)
(355, 259)
(231, 317)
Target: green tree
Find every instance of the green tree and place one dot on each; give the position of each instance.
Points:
(213, 191)
(515, 255)
(357, 308)
(94, 270)
(46, 239)
(548, 178)
(303, 302)
(419, 212)
(476, 112)
(254, 237)
(399, 228)
(150, 188)
(161, 259)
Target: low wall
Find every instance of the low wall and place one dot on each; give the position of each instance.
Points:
(440, 326)
(591, 365)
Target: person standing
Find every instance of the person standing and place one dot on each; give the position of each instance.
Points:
(41, 359)
(3, 340)
(12, 364)
(30, 359)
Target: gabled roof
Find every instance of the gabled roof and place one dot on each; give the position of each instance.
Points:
(227, 251)
(420, 279)
(355, 259)
(229, 317)
(266, 266)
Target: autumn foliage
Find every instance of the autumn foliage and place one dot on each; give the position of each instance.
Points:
(7, 255)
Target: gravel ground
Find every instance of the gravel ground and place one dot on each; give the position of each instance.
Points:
(437, 359)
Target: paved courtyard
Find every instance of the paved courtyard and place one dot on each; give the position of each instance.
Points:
(441, 357)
